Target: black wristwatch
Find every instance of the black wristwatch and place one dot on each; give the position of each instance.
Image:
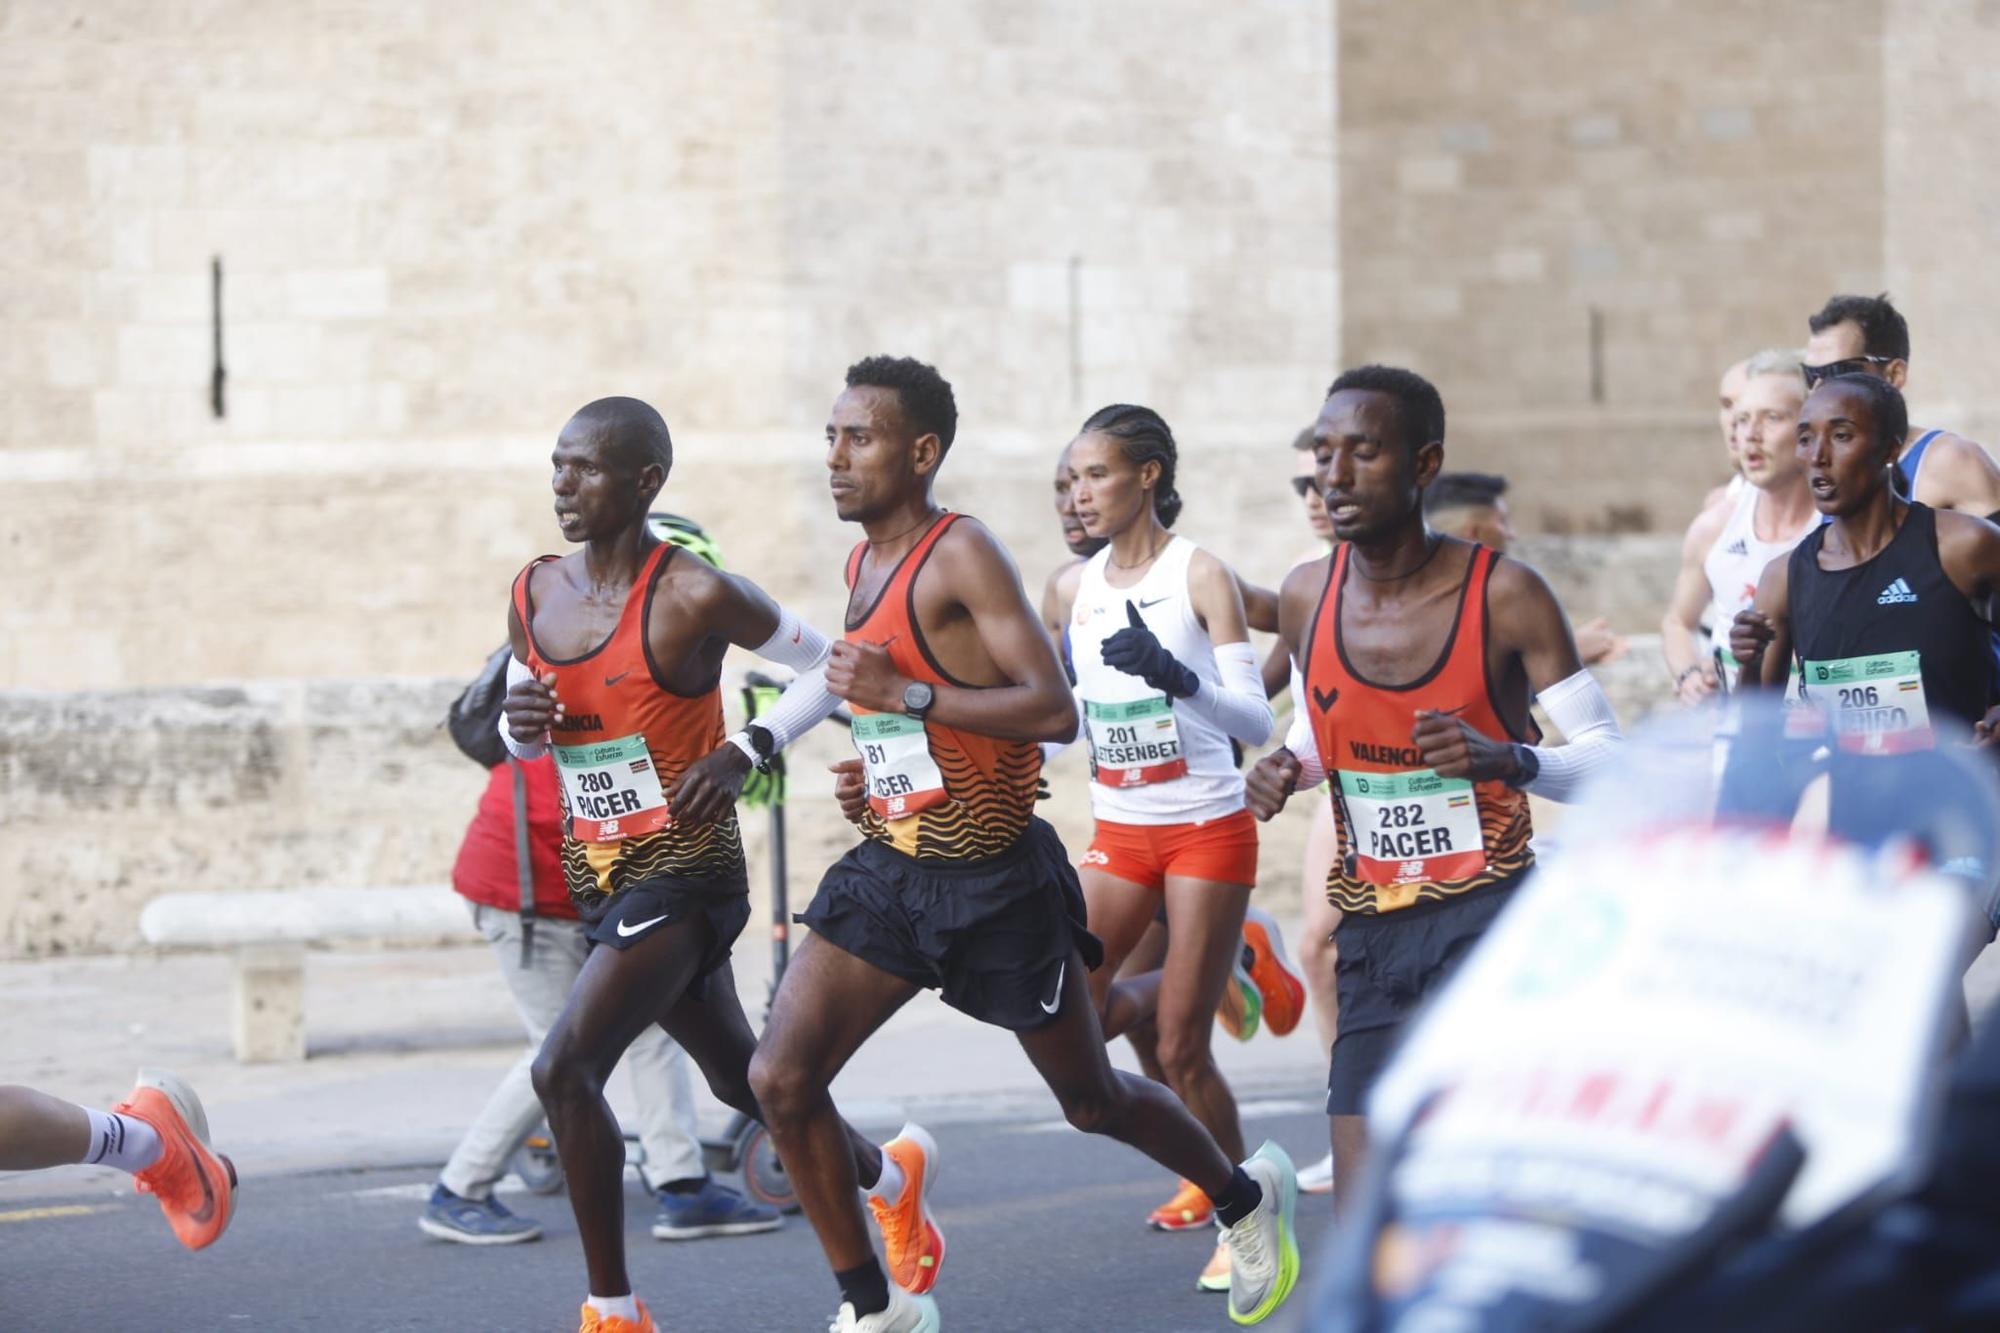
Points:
(917, 697)
(762, 741)
(1529, 763)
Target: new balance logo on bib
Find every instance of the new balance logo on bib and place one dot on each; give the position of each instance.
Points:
(1897, 591)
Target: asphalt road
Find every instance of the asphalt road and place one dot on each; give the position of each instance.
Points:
(1044, 1225)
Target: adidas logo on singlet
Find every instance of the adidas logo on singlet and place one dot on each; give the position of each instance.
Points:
(1737, 547)
(1899, 591)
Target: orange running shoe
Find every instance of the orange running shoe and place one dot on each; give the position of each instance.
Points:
(911, 1240)
(1241, 1008)
(1188, 1209)
(594, 1322)
(1284, 994)
(195, 1186)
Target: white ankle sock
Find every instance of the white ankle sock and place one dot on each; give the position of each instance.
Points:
(123, 1141)
(890, 1185)
(617, 1307)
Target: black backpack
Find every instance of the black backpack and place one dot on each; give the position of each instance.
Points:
(474, 716)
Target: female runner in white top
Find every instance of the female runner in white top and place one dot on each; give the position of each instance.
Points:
(1166, 677)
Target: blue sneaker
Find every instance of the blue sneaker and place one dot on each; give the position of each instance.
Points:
(485, 1221)
(712, 1210)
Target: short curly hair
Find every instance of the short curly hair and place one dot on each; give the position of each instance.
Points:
(923, 395)
(1418, 406)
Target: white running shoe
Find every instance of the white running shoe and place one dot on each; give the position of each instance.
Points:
(1318, 1178)
(906, 1314)
(1263, 1248)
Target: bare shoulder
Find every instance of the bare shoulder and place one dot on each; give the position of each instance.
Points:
(1307, 577)
(1206, 569)
(1065, 579)
(1964, 531)
(1703, 531)
(969, 544)
(1518, 588)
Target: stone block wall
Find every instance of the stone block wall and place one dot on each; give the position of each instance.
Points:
(444, 228)
(1573, 214)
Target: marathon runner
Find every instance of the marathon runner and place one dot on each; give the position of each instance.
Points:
(617, 666)
(159, 1135)
(1888, 607)
(1419, 656)
(1262, 978)
(1726, 394)
(1167, 679)
(1867, 335)
(1318, 917)
(956, 885)
(1729, 544)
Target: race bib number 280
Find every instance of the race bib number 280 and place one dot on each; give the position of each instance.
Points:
(1412, 827)
(612, 790)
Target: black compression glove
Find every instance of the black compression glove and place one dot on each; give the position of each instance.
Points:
(1136, 651)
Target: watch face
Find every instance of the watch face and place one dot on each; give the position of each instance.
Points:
(917, 696)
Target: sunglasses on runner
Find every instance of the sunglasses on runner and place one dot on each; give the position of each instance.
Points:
(1300, 485)
(1853, 365)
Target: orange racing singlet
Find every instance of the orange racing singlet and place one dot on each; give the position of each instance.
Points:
(623, 740)
(934, 792)
(1408, 835)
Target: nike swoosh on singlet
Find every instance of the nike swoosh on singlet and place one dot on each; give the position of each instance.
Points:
(1156, 601)
(627, 929)
(1050, 1005)
(613, 680)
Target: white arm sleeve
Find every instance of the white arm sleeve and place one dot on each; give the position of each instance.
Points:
(1299, 739)
(517, 671)
(794, 644)
(805, 704)
(1238, 705)
(1581, 712)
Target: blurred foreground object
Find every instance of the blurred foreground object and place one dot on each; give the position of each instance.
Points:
(1703, 1051)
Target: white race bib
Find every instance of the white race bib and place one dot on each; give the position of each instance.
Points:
(612, 789)
(1134, 743)
(1412, 827)
(1877, 703)
(903, 779)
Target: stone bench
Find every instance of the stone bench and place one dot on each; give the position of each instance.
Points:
(267, 932)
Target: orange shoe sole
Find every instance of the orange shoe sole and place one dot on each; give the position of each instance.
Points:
(1284, 993)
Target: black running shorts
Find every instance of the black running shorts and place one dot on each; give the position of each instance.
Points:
(991, 935)
(1386, 965)
(637, 910)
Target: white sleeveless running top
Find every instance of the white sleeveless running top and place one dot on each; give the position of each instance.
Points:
(1153, 760)
(1733, 566)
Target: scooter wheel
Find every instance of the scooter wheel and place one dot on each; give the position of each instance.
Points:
(536, 1163)
(764, 1176)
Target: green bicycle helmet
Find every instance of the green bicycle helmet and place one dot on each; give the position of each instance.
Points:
(686, 533)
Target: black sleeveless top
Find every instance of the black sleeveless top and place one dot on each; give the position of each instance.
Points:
(1887, 645)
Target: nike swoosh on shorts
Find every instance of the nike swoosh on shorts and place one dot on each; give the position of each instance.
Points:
(1050, 1005)
(627, 929)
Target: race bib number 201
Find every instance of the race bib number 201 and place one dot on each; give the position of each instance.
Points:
(1134, 743)
(612, 790)
(1412, 827)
